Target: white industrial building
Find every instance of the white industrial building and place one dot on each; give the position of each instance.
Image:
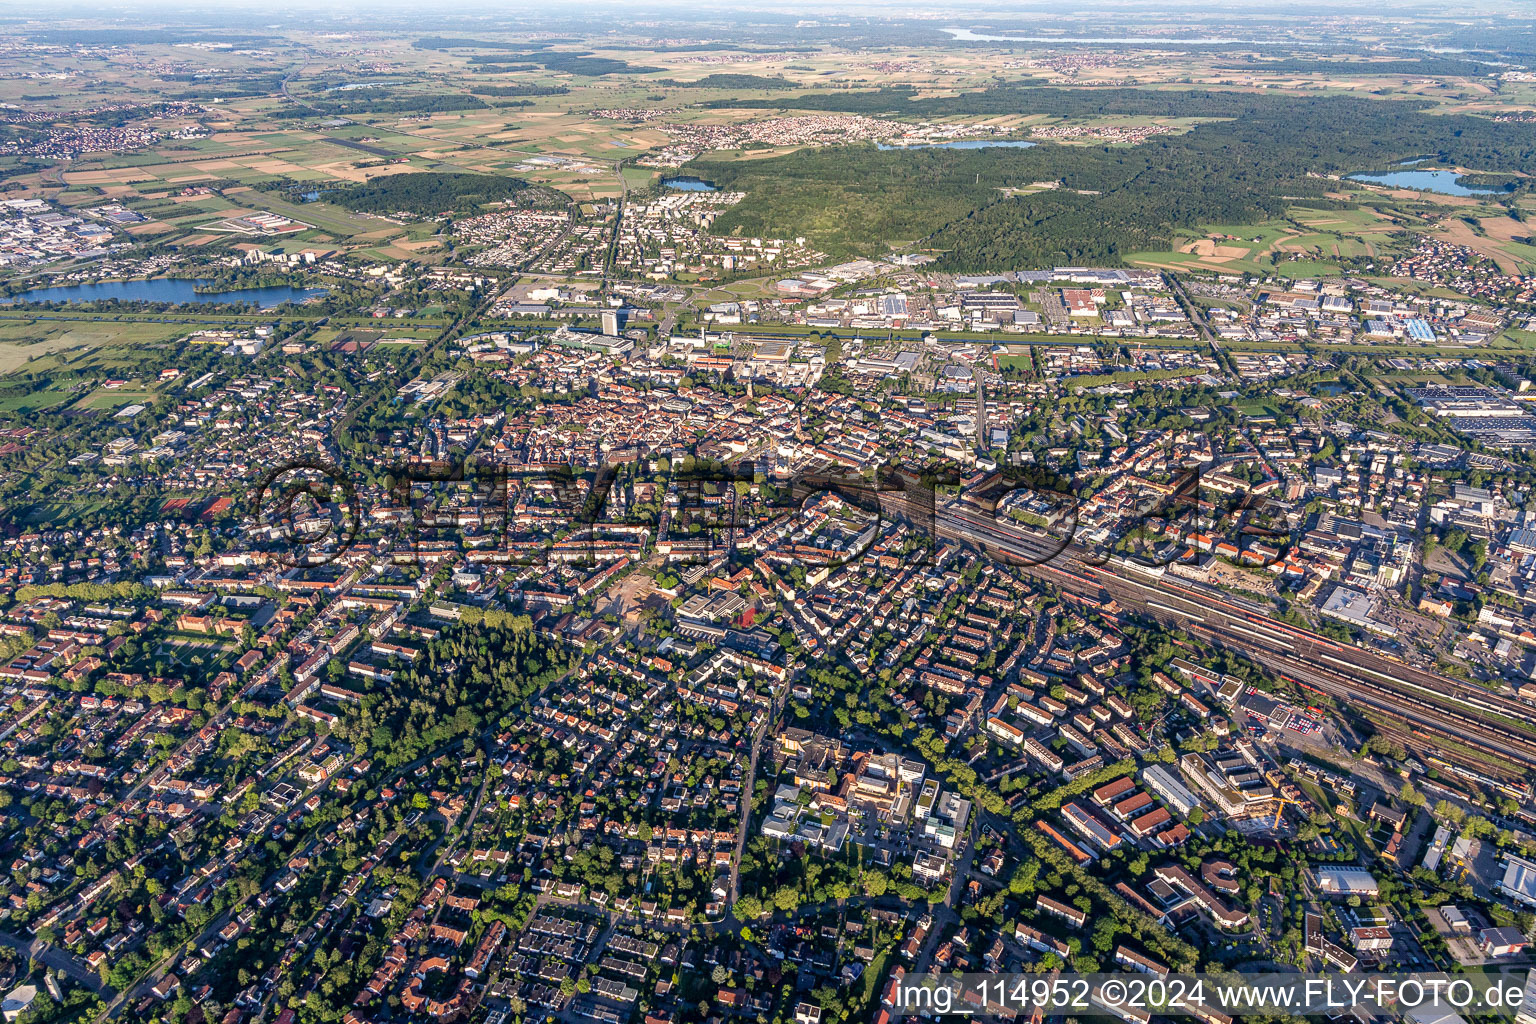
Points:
(1519, 882)
(1347, 881)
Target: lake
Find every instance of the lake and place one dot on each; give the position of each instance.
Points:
(166, 289)
(1444, 182)
(689, 183)
(962, 144)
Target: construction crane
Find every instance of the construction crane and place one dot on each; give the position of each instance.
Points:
(1280, 802)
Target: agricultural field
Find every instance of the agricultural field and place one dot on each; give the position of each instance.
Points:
(1306, 241)
(289, 127)
(282, 749)
(1502, 239)
(562, 118)
(41, 345)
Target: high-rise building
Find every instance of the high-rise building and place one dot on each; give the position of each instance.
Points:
(1527, 1012)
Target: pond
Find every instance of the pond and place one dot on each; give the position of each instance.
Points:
(166, 289)
(1444, 182)
(961, 144)
(689, 183)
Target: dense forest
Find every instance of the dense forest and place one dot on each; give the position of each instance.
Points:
(520, 90)
(1274, 152)
(462, 43)
(429, 194)
(1329, 133)
(369, 101)
(471, 676)
(1354, 65)
(117, 35)
(570, 63)
(729, 81)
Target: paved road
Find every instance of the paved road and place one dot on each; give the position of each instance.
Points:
(748, 787)
(667, 322)
(23, 719)
(1194, 311)
(58, 959)
(467, 829)
(945, 915)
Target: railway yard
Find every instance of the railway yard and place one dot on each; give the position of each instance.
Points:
(1486, 733)
(561, 515)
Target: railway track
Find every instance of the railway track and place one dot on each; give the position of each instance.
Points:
(1434, 707)
(1490, 724)
(1470, 766)
(1426, 717)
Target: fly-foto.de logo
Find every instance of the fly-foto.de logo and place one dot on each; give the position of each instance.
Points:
(312, 512)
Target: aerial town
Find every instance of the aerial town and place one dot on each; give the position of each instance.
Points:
(644, 535)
